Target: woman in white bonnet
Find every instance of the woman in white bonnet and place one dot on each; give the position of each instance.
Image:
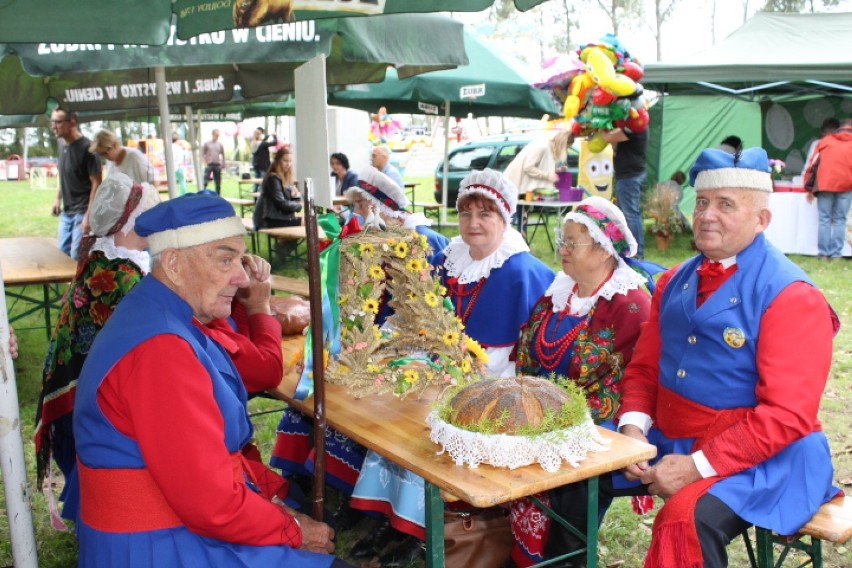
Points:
(493, 282)
(112, 260)
(584, 328)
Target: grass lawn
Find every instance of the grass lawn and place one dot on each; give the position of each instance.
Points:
(624, 536)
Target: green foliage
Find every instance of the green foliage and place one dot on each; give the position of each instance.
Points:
(661, 207)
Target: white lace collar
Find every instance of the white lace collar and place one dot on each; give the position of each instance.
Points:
(112, 251)
(561, 290)
(461, 265)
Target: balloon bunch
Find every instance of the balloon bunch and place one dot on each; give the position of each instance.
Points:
(604, 93)
(382, 127)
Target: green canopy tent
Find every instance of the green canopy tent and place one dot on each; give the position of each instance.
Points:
(208, 68)
(488, 85)
(148, 22)
(771, 82)
(98, 77)
(235, 110)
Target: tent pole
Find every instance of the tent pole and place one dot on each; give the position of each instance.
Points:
(446, 162)
(193, 145)
(25, 152)
(12, 464)
(166, 128)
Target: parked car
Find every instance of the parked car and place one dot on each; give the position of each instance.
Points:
(494, 152)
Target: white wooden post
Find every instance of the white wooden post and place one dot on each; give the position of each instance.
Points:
(12, 464)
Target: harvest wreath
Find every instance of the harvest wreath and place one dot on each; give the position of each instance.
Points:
(422, 343)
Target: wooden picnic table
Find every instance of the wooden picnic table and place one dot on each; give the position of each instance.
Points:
(396, 429)
(296, 234)
(538, 214)
(35, 261)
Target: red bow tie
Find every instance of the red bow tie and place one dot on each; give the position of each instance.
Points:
(709, 269)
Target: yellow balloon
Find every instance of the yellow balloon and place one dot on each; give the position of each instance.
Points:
(597, 143)
(571, 107)
(603, 73)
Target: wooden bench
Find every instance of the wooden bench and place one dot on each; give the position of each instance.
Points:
(294, 235)
(430, 210)
(832, 523)
(242, 203)
(295, 286)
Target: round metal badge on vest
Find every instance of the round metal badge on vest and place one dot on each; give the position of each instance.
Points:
(734, 337)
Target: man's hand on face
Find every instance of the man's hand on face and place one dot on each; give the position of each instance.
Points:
(255, 296)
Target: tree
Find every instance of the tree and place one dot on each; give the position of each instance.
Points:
(564, 17)
(798, 6)
(619, 11)
(662, 11)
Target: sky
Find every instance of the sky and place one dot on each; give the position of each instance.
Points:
(690, 28)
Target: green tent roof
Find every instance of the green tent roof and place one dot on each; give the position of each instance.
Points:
(502, 89)
(771, 54)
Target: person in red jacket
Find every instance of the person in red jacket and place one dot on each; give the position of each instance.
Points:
(833, 162)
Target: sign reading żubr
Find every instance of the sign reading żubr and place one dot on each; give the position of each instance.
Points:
(472, 91)
(427, 108)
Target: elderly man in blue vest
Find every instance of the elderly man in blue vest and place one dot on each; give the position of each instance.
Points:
(724, 382)
(160, 416)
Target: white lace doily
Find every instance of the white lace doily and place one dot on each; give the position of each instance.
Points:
(623, 280)
(461, 265)
(504, 450)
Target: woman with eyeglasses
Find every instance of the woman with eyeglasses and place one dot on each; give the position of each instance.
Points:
(584, 328)
(129, 161)
(493, 282)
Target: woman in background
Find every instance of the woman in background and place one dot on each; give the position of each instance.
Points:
(344, 178)
(129, 161)
(535, 166)
(111, 263)
(279, 199)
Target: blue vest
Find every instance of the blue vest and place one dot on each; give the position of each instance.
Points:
(709, 355)
(694, 342)
(150, 309)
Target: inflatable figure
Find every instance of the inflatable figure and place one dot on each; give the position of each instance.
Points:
(602, 92)
(594, 172)
(382, 127)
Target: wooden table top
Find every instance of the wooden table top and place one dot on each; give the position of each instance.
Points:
(546, 204)
(34, 260)
(250, 181)
(397, 429)
(290, 233)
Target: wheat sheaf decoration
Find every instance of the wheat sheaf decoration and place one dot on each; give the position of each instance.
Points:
(421, 344)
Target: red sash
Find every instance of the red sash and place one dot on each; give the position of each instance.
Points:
(129, 500)
(675, 539)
